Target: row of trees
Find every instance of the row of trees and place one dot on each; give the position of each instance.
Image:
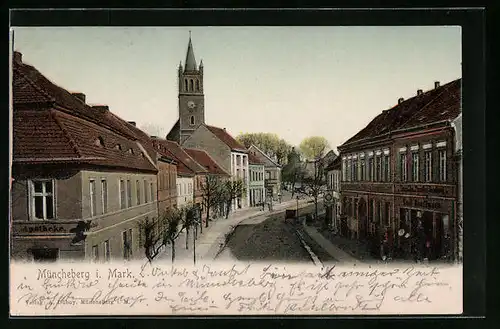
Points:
(158, 232)
(271, 144)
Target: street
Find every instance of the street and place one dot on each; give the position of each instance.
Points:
(269, 239)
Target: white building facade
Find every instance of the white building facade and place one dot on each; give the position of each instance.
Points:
(185, 194)
(240, 170)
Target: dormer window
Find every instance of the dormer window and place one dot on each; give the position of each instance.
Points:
(99, 141)
(142, 154)
(131, 151)
(118, 147)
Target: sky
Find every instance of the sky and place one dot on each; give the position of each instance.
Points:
(293, 81)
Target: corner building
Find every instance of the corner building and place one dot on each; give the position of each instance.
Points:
(399, 179)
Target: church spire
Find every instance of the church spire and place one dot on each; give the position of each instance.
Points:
(190, 60)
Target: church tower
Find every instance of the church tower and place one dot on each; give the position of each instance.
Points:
(191, 97)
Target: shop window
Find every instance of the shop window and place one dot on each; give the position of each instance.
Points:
(45, 254)
(387, 214)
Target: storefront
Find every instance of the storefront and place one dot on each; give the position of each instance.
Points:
(425, 228)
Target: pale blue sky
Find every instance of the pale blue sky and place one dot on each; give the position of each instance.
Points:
(292, 81)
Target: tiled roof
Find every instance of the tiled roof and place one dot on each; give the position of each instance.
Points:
(66, 128)
(252, 159)
(225, 137)
(185, 163)
(204, 159)
(56, 136)
(442, 103)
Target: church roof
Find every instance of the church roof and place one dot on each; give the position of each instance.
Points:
(190, 60)
(204, 159)
(225, 137)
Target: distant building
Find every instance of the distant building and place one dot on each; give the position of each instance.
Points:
(272, 177)
(189, 173)
(333, 212)
(167, 185)
(257, 190)
(229, 154)
(83, 178)
(399, 177)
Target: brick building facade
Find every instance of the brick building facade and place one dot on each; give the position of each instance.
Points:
(399, 180)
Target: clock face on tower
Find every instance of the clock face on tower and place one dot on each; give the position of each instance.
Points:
(191, 105)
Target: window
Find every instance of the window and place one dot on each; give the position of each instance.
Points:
(238, 160)
(42, 202)
(191, 88)
(414, 167)
(238, 173)
(244, 160)
(192, 120)
(95, 253)
(442, 166)
(129, 193)
(268, 175)
(104, 196)
(185, 85)
(93, 198)
(138, 191)
(354, 170)
(371, 170)
(122, 194)
(386, 168)
(244, 175)
(349, 170)
(146, 199)
(153, 194)
(403, 167)
(107, 251)
(428, 166)
(363, 173)
(127, 244)
(197, 85)
(379, 168)
(344, 171)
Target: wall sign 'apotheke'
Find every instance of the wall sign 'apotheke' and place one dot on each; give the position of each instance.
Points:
(425, 189)
(42, 229)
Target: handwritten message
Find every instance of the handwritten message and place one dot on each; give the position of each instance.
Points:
(238, 289)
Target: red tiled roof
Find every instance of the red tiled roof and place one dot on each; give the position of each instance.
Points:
(224, 136)
(185, 163)
(204, 159)
(66, 128)
(252, 159)
(55, 135)
(442, 103)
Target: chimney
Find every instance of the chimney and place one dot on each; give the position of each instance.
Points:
(436, 84)
(80, 96)
(419, 92)
(101, 108)
(224, 129)
(18, 57)
(400, 100)
(132, 123)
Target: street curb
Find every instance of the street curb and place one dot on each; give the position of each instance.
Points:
(354, 259)
(224, 237)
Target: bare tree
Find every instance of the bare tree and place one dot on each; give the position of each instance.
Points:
(233, 190)
(152, 239)
(173, 227)
(211, 190)
(189, 221)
